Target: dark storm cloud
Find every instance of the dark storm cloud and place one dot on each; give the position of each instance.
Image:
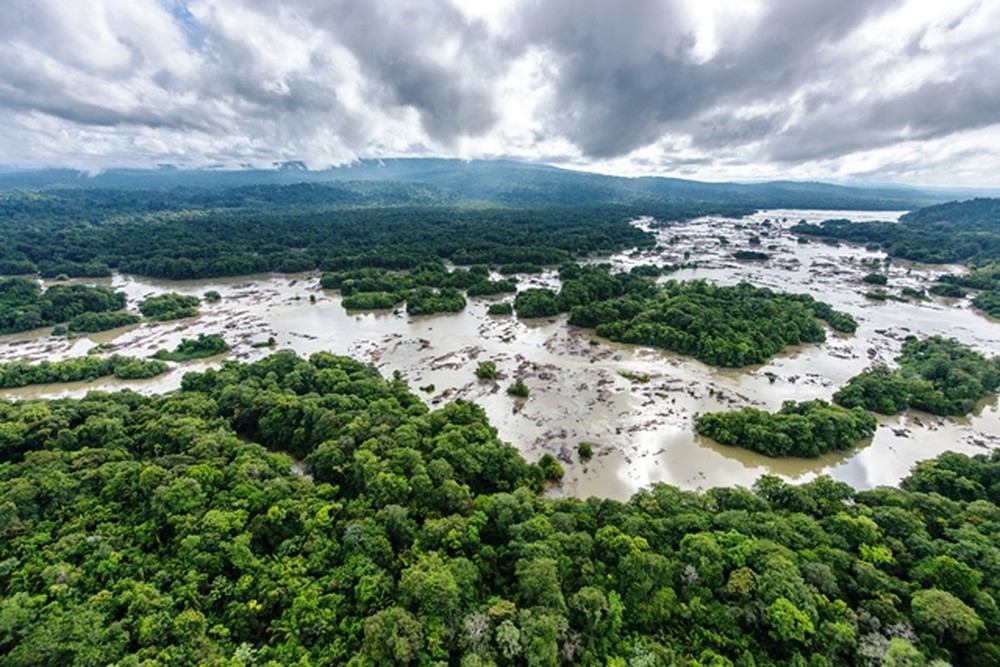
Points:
(628, 72)
(422, 54)
(935, 109)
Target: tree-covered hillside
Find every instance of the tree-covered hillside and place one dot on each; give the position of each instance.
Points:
(175, 530)
(504, 182)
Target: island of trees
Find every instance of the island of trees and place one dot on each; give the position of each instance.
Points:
(169, 306)
(205, 345)
(937, 375)
(77, 369)
(721, 326)
(806, 429)
(24, 305)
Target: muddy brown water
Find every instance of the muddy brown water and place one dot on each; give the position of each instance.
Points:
(641, 431)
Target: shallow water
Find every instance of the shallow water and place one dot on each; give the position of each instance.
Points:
(641, 431)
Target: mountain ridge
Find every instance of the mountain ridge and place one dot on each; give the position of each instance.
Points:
(505, 182)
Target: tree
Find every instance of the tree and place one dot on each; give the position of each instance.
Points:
(486, 370)
(392, 636)
(943, 614)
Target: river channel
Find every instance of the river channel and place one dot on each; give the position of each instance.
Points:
(580, 389)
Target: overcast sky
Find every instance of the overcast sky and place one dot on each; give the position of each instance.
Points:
(904, 91)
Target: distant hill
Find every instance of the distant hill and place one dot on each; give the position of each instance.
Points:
(436, 181)
(974, 215)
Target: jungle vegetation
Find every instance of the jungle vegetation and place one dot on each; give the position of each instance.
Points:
(936, 375)
(721, 326)
(169, 306)
(25, 305)
(966, 232)
(154, 530)
(205, 345)
(76, 369)
(806, 429)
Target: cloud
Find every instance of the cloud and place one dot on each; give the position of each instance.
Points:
(648, 85)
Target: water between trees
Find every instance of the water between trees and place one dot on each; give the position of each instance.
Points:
(633, 404)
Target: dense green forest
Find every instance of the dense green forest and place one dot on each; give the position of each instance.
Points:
(23, 373)
(205, 345)
(967, 232)
(807, 429)
(953, 232)
(155, 530)
(169, 306)
(179, 225)
(102, 321)
(24, 305)
(428, 288)
(937, 375)
(721, 326)
(283, 229)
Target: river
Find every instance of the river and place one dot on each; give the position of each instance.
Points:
(641, 431)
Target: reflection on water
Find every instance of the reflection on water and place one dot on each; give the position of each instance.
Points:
(641, 431)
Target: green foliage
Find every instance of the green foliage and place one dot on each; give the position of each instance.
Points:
(502, 308)
(77, 369)
(372, 300)
(103, 321)
(938, 375)
(944, 615)
(426, 301)
(536, 302)
(429, 288)
(211, 296)
(551, 468)
(205, 345)
(518, 389)
(140, 529)
(807, 429)
(984, 278)
(876, 279)
(920, 295)
(24, 306)
(751, 255)
(486, 370)
(721, 326)
(953, 232)
(205, 233)
(490, 287)
(169, 306)
(947, 289)
(585, 451)
(882, 295)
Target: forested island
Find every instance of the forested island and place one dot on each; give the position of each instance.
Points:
(721, 326)
(25, 305)
(168, 529)
(806, 429)
(22, 373)
(937, 375)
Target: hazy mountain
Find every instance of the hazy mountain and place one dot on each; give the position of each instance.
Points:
(494, 181)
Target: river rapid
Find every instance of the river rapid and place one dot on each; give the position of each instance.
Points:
(585, 389)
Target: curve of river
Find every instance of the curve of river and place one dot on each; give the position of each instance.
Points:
(641, 431)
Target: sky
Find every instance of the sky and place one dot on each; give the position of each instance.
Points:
(882, 91)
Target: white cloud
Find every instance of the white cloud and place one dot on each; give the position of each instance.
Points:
(878, 89)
